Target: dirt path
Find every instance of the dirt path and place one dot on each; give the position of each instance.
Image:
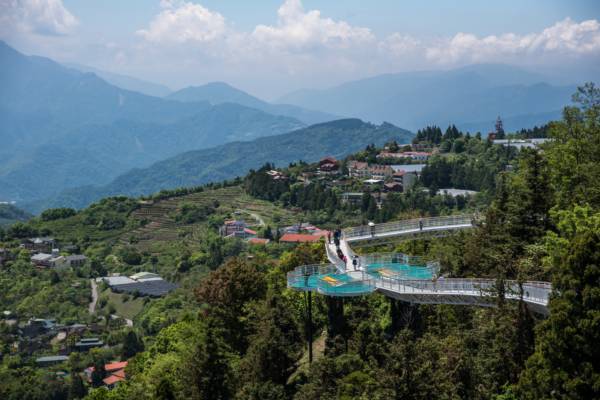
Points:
(92, 306)
(257, 217)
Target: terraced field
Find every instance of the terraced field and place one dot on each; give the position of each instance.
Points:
(158, 223)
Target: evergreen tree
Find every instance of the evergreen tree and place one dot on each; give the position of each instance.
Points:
(131, 345)
(77, 389)
(208, 367)
(276, 345)
(164, 390)
(99, 373)
(566, 362)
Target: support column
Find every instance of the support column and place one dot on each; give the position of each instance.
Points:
(309, 328)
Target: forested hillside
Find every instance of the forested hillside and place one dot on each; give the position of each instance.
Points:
(233, 329)
(337, 138)
(84, 131)
(10, 214)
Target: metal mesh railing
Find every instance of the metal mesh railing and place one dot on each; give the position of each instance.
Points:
(408, 225)
(305, 277)
(401, 265)
(537, 292)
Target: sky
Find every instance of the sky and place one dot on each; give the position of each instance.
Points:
(272, 47)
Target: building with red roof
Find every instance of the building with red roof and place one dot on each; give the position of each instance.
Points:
(256, 240)
(300, 238)
(115, 373)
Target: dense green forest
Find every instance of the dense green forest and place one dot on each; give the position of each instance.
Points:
(233, 329)
(10, 214)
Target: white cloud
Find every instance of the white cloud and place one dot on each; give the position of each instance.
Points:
(44, 17)
(297, 29)
(398, 44)
(182, 22)
(565, 37)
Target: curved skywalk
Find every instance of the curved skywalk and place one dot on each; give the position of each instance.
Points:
(406, 278)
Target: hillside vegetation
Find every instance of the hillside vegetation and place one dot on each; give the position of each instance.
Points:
(10, 214)
(337, 138)
(85, 131)
(234, 330)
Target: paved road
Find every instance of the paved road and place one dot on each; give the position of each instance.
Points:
(92, 306)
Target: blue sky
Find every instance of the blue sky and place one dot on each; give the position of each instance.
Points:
(434, 17)
(270, 47)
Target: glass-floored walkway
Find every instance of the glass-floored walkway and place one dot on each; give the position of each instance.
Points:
(327, 280)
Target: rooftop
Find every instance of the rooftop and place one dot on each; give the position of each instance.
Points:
(115, 366)
(408, 167)
(299, 238)
(258, 241)
(47, 359)
(144, 275)
(117, 280)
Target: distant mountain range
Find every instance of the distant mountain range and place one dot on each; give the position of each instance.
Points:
(337, 138)
(470, 97)
(220, 92)
(62, 128)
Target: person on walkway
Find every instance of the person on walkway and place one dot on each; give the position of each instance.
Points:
(372, 228)
(329, 237)
(354, 262)
(421, 224)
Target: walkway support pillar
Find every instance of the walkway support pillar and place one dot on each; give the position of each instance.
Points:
(309, 328)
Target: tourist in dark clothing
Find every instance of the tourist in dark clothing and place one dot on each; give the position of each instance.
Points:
(420, 224)
(354, 262)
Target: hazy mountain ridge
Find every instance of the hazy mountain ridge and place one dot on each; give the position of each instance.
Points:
(125, 81)
(465, 96)
(95, 154)
(221, 92)
(336, 138)
(63, 128)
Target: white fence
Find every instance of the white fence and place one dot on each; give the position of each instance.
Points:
(536, 292)
(417, 224)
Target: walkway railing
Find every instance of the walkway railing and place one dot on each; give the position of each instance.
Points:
(537, 292)
(411, 225)
(392, 257)
(360, 283)
(302, 278)
(335, 279)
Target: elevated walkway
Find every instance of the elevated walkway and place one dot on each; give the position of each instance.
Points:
(406, 278)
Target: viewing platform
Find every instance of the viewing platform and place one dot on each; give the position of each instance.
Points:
(408, 278)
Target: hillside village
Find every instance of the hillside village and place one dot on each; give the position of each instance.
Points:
(364, 183)
(99, 299)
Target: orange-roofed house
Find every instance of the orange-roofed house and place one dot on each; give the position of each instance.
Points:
(115, 366)
(299, 238)
(112, 380)
(115, 372)
(256, 240)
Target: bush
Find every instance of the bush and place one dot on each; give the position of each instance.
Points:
(131, 256)
(57, 213)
